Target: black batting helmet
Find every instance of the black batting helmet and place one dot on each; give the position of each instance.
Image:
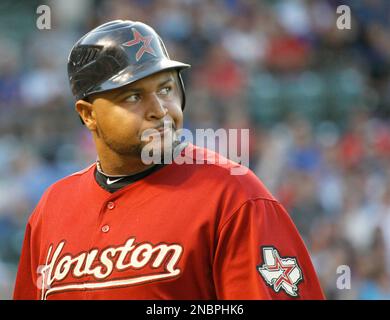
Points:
(116, 54)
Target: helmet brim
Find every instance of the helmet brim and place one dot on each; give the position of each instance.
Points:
(133, 73)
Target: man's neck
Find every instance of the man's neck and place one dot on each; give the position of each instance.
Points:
(112, 164)
(122, 168)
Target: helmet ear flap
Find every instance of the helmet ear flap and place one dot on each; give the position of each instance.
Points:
(182, 89)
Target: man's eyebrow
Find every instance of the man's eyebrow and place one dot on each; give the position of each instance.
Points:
(138, 90)
(163, 83)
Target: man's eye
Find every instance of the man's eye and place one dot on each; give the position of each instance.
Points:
(132, 98)
(165, 90)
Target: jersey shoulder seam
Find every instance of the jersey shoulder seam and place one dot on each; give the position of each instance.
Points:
(234, 213)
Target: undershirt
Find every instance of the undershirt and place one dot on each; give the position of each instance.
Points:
(112, 184)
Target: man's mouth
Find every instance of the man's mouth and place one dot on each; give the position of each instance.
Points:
(166, 125)
(164, 131)
(161, 130)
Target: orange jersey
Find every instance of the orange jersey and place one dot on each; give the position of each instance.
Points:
(187, 231)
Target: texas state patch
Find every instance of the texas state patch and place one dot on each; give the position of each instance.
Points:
(280, 272)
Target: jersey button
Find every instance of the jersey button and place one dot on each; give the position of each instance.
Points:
(105, 228)
(110, 205)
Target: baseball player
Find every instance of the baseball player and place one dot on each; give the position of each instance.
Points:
(123, 229)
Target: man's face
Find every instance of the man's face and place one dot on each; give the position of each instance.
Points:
(121, 116)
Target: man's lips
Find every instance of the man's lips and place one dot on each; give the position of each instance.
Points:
(165, 126)
(162, 130)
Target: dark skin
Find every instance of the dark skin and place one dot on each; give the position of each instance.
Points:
(117, 119)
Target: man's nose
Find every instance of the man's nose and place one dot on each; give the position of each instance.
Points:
(155, 108)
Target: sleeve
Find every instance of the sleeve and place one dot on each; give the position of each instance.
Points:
(26, 278)
(260, 255)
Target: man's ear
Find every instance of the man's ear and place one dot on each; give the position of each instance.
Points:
(87, 115)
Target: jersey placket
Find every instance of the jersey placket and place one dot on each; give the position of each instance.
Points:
(104, 226)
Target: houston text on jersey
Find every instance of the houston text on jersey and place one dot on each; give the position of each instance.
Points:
(162, 258)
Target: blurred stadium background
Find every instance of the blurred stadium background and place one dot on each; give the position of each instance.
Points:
(316, 100)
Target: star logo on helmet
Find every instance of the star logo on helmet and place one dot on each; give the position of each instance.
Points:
(145, 40)
(280, 272)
